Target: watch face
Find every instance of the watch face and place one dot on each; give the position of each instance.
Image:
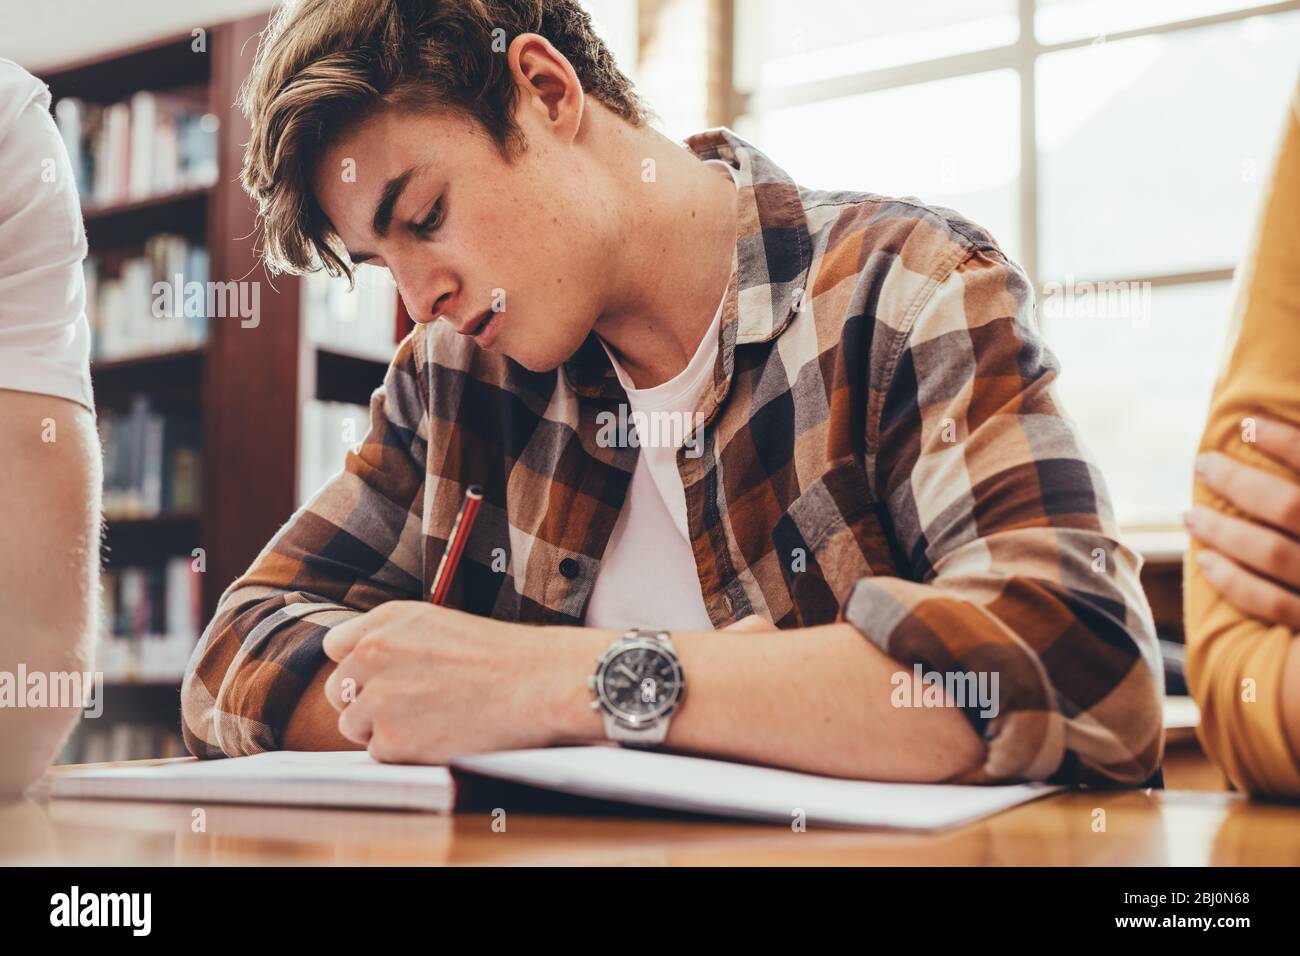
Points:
(641, 682)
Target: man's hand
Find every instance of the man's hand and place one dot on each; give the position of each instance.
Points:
(416, 683)
(1254, 562)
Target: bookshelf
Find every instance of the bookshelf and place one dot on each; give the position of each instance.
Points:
(245, 387)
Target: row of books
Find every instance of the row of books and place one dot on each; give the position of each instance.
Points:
(131, 313)
(150, 144)
(328, 430)
(160, 301)
(361, 320)
(151, 620)
(96, 742)
(152, 460)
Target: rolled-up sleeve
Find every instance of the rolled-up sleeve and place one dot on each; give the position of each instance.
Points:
(1012, 571)
(356, 544)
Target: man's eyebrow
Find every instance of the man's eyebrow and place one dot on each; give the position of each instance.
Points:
(388, 199)
(383, 217)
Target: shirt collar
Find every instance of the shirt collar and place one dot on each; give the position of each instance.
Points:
(770, 263)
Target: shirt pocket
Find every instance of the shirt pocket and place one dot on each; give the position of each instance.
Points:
(829, 538)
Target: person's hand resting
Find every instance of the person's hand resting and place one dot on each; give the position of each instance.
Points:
(1253, 561)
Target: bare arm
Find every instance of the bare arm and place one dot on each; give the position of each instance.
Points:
(431, 682)
(816, 699)
(49, 565)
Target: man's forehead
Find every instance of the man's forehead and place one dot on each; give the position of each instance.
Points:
(392, 147)
(351, 182)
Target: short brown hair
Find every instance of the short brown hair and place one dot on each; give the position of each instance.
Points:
(323, 65)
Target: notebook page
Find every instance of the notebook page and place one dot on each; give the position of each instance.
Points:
(741, 790)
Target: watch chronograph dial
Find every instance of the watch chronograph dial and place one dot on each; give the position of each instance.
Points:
(641, 682)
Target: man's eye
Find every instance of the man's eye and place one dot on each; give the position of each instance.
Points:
(431, 221)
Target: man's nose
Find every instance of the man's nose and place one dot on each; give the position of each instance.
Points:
(426, 313)
(440, 305)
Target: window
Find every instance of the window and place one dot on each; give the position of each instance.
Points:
(1063, 20)
(781, 44)
(961, 158)
(1178, 127)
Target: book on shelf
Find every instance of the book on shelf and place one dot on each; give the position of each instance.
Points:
(152, 461)
(148, 303)
(359, 321)
(151, 621)
(328, 431)
(151, 144)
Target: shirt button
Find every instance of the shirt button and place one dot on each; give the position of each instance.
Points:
(569, 568)
(727, 603)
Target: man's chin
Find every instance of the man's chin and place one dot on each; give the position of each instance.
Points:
(546, 359)
(534, 362)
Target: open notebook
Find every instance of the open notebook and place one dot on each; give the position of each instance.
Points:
(344, 778)
(643, 778)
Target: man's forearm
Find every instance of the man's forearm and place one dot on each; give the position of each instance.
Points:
(816, 699)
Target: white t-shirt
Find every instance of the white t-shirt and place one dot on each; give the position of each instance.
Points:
(647, 577)
(44, 337)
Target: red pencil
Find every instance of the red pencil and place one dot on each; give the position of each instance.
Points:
(456, 544)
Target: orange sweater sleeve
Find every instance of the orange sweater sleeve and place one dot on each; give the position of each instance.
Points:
(1234, 661)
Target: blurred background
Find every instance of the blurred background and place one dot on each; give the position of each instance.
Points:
(1115, 149)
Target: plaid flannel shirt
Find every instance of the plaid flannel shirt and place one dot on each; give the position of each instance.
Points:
(882, 445)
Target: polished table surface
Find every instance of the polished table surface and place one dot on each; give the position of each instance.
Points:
(1192, 823)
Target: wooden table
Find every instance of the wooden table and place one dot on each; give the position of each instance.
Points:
(1193, 823)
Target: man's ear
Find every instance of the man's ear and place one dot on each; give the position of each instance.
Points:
(548, 83)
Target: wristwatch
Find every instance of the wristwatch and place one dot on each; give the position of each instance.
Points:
(638, 684)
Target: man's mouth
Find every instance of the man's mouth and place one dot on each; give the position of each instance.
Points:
(484, 329)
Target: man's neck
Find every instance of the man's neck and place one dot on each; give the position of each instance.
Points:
(675, 262)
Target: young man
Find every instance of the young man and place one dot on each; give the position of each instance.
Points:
(1242, 599)
(881, 471)
(50, 478)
